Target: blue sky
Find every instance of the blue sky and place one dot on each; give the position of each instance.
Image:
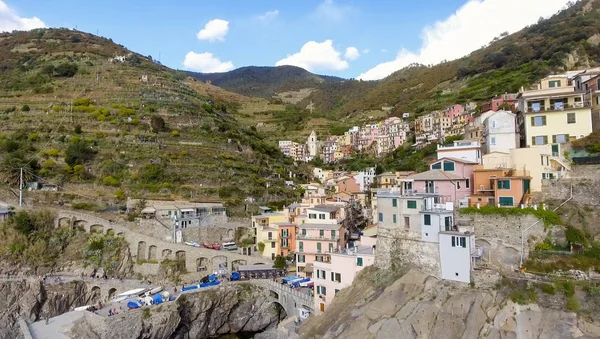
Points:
(347, 38)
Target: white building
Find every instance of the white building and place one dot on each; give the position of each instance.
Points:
(501, 132)
(365, 178)
(312, 144)
(456, 251)
(463, 149)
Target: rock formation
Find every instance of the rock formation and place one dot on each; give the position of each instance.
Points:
(227, 309)
(421, 306)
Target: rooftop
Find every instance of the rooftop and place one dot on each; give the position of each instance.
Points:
(271, 214)
(283, 224)
(324, 208)
(352, 251)
(320, 226)
(464, 161)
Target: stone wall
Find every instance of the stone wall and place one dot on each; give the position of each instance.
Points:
(208, 234)
(586, 186)
(397, 248)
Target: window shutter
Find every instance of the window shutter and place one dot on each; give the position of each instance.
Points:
(543, 120)
(453, 242)
(566, 138)
(532, 121)
(545, 139)
(554, 139)
(332, 276)
(533, 140)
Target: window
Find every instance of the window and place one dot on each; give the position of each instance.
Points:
(301, 258)
(539, 140)
(458, 185)
(330, 247)
(336, 291)
(554, 83)
(273, 245)
(270, 235)
(503, 184)
(394, 218)
(412, 204)
(359, 261)
(284, 243)
(320, 274)
(571, 119)
(321, 233)
(492, 140)
(304, 232)
(312, 216)
(448, 166)
(506, 201)
(322, 291)
(394, 202)
(538, 121)
(322, 216)
(437, 166)
(333, 234)
(285, 233)
(300, 246)
(427, 220)
(494, 124)
(380, 217)
(318, 247)
(560, 139)
(459, 242)
(336, 277)
(468, 183)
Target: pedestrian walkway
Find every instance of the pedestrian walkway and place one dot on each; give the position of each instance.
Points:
(56, 326)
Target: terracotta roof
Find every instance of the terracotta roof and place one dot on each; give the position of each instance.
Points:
(435, 175)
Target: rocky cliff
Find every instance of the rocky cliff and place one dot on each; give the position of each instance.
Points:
(420, 306)
(33, 301)
(228, 309)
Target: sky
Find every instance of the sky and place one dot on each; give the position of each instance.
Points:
(362, 39)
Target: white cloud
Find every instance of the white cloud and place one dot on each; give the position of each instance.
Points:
(473, 25)
(383, 50)
(214, 30)
(206, 63)
(10, 21)
(329, 11)
(268, 16)
(351, 53)
(316, 56)
(366, 51)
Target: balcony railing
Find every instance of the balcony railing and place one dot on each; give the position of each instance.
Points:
(558, 107)
(312, 237)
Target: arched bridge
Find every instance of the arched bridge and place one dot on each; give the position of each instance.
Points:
(152, 250)
(290, 299)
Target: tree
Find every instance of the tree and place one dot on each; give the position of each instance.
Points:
(280, 262)
(261, 246)
(66, 70)
(157, 123)
(79, 153)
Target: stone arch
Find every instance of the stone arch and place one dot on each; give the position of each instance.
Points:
(120, 234)
(141, 250)
(235, 265)
(230, 234)
(180, 255)
(64, 222)
(80, 224)
(110, 232)
(166, 253)
(202, 264)
(112, 292)
(96, 228)
(280, 310)
(274, 294)
(152, 252)
(219, 260)
(96, 294)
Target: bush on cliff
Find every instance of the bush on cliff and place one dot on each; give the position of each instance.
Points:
(548, 217)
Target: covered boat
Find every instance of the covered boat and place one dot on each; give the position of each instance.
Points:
(235, 276)
(157, 299)
(212, 283)
(132, 305)
(189, 288)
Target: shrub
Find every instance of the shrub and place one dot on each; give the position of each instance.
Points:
(78, 153)
(548, 288)
(175, 133)
(157, 123)
(66, 70)
(573, 304)
(49, 164)
(33, 137)
(146, 313)
(111, 181)
(77, 129)
(548, 217)
(119, 195)
(543, 246)
(25, 108)
(53, 152)
(261, 246)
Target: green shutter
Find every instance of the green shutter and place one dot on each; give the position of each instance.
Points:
(554, 139)
(533, 140)
(543, 120)
(532, 121)
(506, 201)
(448, 166)
(321, 233)
(319, 247)
(394, 202)
(545, 139)
(333, 234)
(359, 261)
(411, 204)
(427, 219)
(393, 218)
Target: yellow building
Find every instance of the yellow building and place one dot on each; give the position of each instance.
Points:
(267, 232)
(555, 112)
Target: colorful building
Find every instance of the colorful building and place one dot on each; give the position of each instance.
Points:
(500, 187)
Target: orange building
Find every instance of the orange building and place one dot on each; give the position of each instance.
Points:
(287, 238)
(502, 187)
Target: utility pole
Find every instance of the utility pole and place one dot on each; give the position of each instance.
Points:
(21, 189)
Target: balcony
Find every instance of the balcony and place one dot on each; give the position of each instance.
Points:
(312, 237)
(556, 107)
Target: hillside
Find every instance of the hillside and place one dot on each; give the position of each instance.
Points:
(107, 129)
(264, 82)
(568, 40)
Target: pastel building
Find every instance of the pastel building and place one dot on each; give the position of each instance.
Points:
(501, 132)
(463, 149)
(339, 273)
(266, 232)
(503, 187)
(555, 112)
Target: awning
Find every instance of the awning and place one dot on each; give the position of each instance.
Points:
(188, 210)
(148, 210)
(309, 268)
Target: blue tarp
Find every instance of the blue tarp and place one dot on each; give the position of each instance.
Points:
(235, 276)
(297, 283)
(288, 279)
(157, 298)
(133, 304)
(212, 277)
(189, 288)
(212, 283)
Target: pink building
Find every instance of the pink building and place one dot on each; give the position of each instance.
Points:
(448, 177)
(348, 184)
(331, 277)
(454, 111)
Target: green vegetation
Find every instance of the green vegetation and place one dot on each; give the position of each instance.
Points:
(261, 246)
(280, 262)
(549, 218)
(105, 251)
(548, 288)
(146, 313)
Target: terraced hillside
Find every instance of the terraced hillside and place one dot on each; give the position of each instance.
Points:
(111, 128)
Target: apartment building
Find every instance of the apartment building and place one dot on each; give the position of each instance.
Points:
(503, 187)
(469, 150)
(266, 232)
(331, 277)
(555, 112)
(501, 132)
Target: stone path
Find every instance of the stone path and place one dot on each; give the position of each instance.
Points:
(56, 326)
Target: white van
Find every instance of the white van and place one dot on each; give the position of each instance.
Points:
(230, 246)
